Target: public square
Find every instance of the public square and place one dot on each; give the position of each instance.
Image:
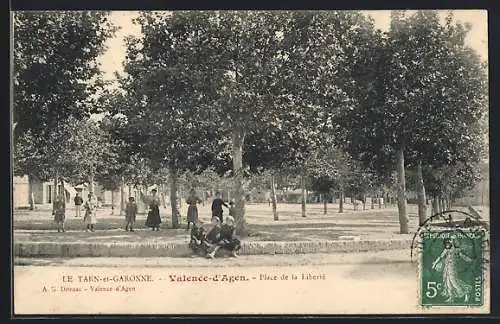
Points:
(287, 158)
(363, 228)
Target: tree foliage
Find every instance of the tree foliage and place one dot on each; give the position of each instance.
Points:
(56, 77)
(54, 63)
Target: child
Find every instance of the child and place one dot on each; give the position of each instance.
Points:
(217, 206)
(212, 236)
(227, 239)
(130, 214)
(90, 213)
(213, 232)
(59, 213)
(78, 204)
(198, 243)
(228, 235)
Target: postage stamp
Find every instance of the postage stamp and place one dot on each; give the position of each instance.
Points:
(453, 258)
(451, 272)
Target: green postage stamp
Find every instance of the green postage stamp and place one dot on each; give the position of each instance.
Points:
(452, 267)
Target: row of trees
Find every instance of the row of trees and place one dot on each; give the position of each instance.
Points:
(321, 95)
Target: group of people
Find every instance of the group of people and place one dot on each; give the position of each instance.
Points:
(90, 207)
(218, 234)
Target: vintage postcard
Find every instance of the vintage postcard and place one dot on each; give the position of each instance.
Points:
(250, 162)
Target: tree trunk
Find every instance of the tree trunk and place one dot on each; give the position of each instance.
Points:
(122, 196)
(145, 193)
(372, 203)
(54, 196)
(403, 216)
(163, 195)
(341, 202)
(439, 204)
(141, 206)
(63, 191)
(129, 191)
(364, 202)
(273, 197)
(435, 207)
(422, 206)
(91, 183)
(304, 195)
(238, 139)
(173, 197)
(386, 200)
(380, 202)
(325, 204)
(31, 198)
(112, 202)
(179, 198)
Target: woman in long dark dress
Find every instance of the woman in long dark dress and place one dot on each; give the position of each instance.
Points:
(153, 220)
(192, 214)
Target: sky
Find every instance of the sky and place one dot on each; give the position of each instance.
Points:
(112, 60)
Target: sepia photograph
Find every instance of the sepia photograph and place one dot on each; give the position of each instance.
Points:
(250, 162)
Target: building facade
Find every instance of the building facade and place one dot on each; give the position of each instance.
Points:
(44, 193)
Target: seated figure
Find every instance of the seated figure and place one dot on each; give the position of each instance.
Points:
(223, 236)
(203, 238)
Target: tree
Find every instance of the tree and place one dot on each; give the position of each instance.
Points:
(447, 78)
(246, 54)
(88, 152)
(169, 92)
(283, 149)
(422, 66)
(281, 67)
(55, 77)
(230, 62)
(331, 170)
(447, 183)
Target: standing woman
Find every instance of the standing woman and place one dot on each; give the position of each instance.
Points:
(447, 262)
(90, 213)
(153, 220)
(192, 214)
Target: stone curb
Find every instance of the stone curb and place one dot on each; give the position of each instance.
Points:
(82, 249)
